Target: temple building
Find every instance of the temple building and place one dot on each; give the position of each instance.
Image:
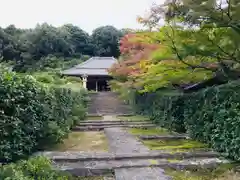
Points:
(93, 73)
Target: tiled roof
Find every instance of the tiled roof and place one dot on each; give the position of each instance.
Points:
(93, 66)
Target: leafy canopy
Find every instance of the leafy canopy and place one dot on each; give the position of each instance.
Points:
(200, 40)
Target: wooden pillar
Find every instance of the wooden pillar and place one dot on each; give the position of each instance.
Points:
(96, 86)
(84, 80)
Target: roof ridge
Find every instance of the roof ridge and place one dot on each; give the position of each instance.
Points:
(104, 57)
(85, 62)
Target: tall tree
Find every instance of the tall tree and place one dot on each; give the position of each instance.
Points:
(9, 46)
(79, 39)
(208, 31)
(106, 41)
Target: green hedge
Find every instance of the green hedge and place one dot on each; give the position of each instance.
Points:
(38, 168)
(211, 115)
(33, 116)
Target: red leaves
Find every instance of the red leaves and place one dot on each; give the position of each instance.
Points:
(134, 49)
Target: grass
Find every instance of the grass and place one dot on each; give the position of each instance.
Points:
(222, 172)
(149, 131)
(94, 118)
(133, 118)
(174, 145)
(83, 141)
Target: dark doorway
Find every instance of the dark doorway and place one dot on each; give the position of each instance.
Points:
(98, 83)
(91, 85)
(103, 85)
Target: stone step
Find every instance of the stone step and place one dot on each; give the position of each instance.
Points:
(117, 114)
(165, 137)
(107, 103)
(100, 128)
(144, 173)
(106, 167)
(120, 141)
(85, 156)
(113, 123)
(108, 178)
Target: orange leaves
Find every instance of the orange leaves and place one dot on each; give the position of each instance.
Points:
(135, 50)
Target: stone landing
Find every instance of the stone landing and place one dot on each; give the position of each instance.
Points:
(120, 141)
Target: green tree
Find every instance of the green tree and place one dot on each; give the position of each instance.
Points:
(207, 31)
(79, 39)
(106, 41)
(46, 39)
(9, 47)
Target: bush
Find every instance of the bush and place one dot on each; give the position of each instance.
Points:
(33, 169)
(50, 62)
(44, 78)
(54, 78)
(165, 110)
(211, 115)
(33, 116)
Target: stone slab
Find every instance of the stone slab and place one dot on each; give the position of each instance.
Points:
(85, 156)
(111, 121)
(134, 174)
(120, 141)
(100, 128)
(113, 115)
(117, 123)
(108, 178)
(89, 168)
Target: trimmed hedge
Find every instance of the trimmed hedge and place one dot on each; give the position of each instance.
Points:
(211, 115)
(38, 168)
(33, 116)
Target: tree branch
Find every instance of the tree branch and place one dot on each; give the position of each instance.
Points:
(181, 59)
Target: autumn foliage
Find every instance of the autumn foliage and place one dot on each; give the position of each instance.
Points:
(135, 50)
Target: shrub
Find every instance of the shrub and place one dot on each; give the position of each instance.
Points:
(211, 115)
(54, 78)
(164, 110)
(33, 116)
(33, 169)
(44, 78)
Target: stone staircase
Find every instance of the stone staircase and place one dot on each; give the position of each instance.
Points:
(128, 158)
(94, 125)
(107, 103)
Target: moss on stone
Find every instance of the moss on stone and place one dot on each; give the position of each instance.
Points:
(222, 172)
(153, 161)
(94, 118)
(149, 131)
(174, 145)
(173, 160)
(133, 118)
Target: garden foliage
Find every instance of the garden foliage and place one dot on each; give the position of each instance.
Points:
(34, 115)
(210, 115)
(38, 168)
(199, 41)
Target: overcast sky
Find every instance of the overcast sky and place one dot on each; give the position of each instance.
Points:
(87, 14)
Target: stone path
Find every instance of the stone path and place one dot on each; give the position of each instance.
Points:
(102, 127)
(146, 173)
(128, 158)
(104, 103)
(120, 141)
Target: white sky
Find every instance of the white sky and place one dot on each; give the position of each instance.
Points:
(87, 14)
